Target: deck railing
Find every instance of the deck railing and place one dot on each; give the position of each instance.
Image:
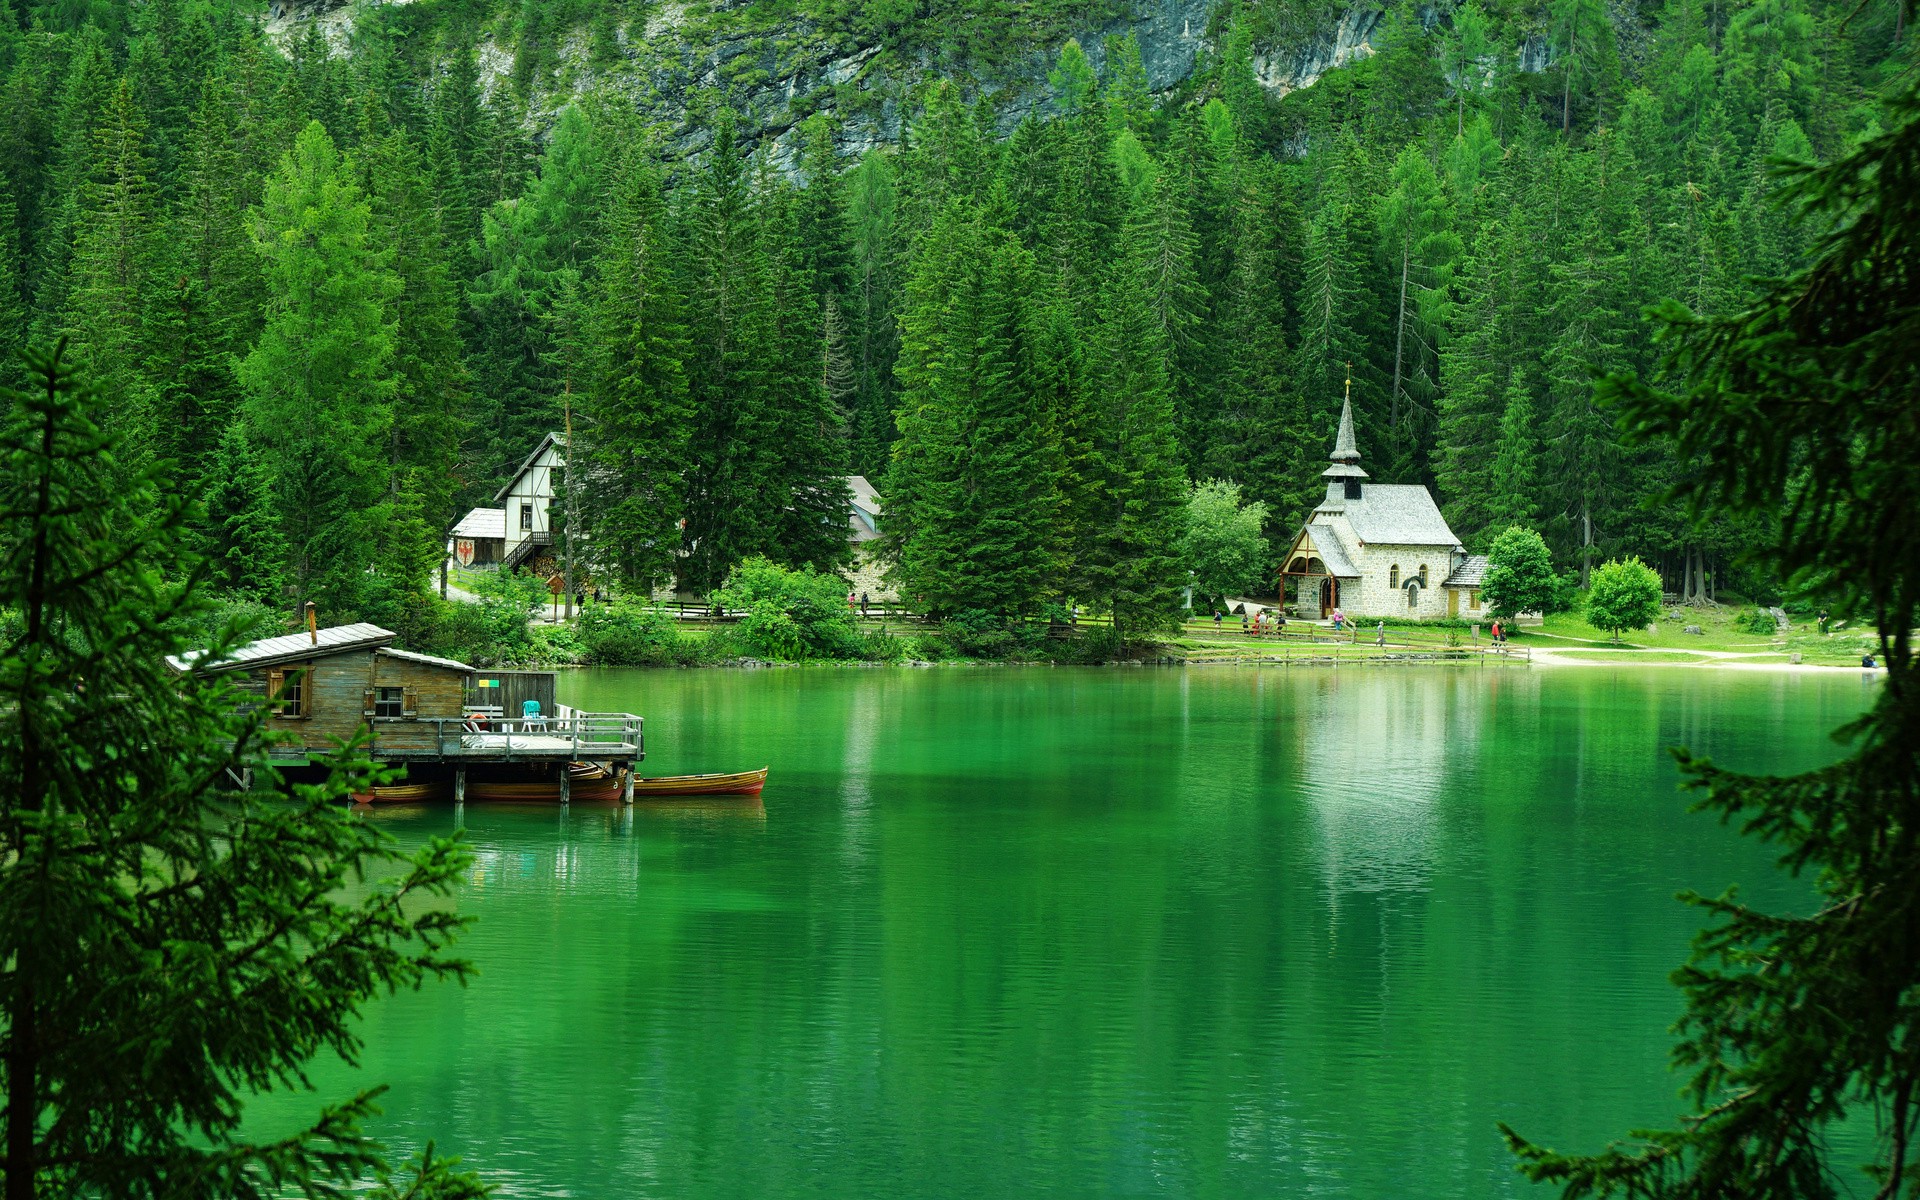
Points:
(569, 731)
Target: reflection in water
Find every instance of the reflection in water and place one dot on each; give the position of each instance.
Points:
(1005, 933)
(1377, 750)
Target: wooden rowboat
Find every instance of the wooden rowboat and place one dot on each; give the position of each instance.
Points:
(734, 783)
(400, 793)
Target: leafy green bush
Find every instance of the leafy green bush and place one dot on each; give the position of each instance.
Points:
(1756, 620)
(790, 615)
(631, 635)
(1625, 595)
(1519, 576)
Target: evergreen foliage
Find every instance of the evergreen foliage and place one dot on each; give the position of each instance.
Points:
(221, 932)
(1806, 394)
(1464, 225)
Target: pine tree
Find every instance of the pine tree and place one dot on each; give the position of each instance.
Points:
(969, 492)
(109, 279)
(320, 381)
(1416, 228)
(635, 414)
(1515, 483)
(725, 370)
(13, 301)
(431, 396)
(208, 293)
(1135, 571)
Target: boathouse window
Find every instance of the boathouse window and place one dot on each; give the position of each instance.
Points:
(1393, 576)
(390, 702)
(289, 684)
(526, 515)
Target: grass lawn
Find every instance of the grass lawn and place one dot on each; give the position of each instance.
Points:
(1717, 632)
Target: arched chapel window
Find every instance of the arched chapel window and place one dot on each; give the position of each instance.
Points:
(1413, 593)
(1423, 575)
(1393, 576)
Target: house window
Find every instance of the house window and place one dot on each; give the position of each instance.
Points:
(526, 515)
(1473, 599)
(287, 686)
(1423, 575)
(1393, 576)
(389, 702)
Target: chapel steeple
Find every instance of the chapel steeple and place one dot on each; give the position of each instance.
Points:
(1344, 476)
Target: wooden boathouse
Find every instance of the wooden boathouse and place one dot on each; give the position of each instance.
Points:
(419, 710)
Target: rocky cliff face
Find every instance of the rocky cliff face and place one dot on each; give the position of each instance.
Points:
(778, 80)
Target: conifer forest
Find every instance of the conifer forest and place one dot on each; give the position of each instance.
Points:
(345, 274)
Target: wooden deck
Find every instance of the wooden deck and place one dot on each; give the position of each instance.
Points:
(568, 736)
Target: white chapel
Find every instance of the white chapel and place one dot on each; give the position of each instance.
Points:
(1378, 549)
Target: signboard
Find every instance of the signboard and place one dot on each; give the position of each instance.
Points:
(557, 584)
(463, 551)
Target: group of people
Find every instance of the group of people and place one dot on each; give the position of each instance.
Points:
(1260, 624)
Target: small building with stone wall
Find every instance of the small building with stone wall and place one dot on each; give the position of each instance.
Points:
(1376, 549)
(867, 574)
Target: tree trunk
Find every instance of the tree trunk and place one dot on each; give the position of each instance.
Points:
(1400, 333)
(1586, 545)
(1566, 95)
(23, 1052)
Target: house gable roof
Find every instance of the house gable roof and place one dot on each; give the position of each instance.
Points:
(552, 439)
(288, 647)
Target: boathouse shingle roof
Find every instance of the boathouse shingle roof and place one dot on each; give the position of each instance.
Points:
(289, 647)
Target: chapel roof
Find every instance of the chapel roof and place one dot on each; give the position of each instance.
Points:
(1398, 514)
(1326, 541)
(1469, 574)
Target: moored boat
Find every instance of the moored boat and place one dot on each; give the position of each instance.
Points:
(400, 793)
(726, 783)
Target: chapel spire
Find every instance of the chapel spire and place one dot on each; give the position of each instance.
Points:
(1346, 451)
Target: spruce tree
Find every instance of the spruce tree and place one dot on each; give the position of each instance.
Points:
(320, 381)
(632, 439)
(13, 301)
(969, 493)
(1135, 571)
(109, 278)
(173, 946)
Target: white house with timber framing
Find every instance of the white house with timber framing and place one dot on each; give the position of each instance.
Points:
(1378, 549)
(527, 500)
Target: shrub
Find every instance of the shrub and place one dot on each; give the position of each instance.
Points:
(1756, 620)
(626, 634)
(790, 615)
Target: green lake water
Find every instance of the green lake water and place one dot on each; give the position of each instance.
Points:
(1004, 932)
